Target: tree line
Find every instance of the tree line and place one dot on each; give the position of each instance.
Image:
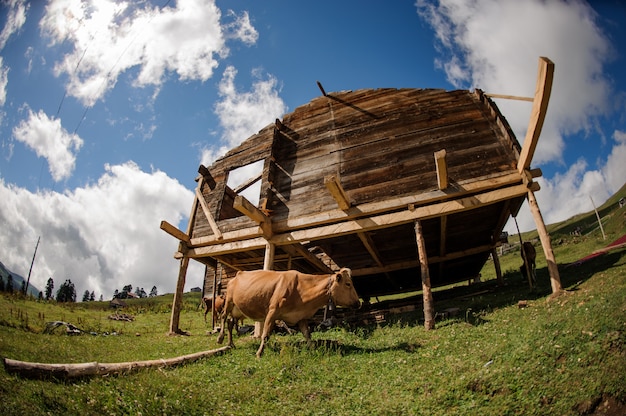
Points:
(67, 291)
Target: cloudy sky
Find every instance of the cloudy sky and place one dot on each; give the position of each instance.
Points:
(108, 107)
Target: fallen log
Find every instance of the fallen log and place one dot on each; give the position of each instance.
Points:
(67, 371)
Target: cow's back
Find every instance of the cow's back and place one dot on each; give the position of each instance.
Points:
(252, 292)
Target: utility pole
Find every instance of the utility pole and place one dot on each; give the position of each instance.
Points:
(31, 267)
(598, 217)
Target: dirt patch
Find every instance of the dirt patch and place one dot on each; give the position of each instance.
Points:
(602, 406)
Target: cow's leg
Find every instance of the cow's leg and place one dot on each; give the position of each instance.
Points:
(231, 323)
(227, 310)
(268, 325)
(304, 328)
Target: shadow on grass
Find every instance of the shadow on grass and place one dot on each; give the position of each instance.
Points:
(332, 346)
(470, 303)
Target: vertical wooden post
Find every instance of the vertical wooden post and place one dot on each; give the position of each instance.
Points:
(214, 295)
(268, 263)
(496, 264)
(178, 296)
(555, 279)
(429, 309)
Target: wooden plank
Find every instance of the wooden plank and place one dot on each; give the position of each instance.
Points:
(246, 207)
(402, 217)
(337, 192)
(392, 204)
(427, 295)
(207, 214)
(544, 237)
(509, 97)
(366, 224)
(538, 113)
(364, 271)
(442, 169)
(174, 232)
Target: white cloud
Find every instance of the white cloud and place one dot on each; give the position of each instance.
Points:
(4, 80)
(241, 28)
(50, 140)
(16, 17)
(102, 236)
(495, 45)
(245, 113)
(615, 169)
(109, 38)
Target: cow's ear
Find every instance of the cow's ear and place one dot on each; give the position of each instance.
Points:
(344, 273)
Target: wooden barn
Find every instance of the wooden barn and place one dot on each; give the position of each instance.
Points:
(409, 188)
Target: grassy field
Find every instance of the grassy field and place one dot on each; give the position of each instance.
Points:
(560, 355)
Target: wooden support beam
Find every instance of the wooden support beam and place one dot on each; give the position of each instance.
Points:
(544, 237)
(268, 264)
(247, 183)
(370, 209)
(370, 247)
(496, 264)
(207, 213)
(178, 297)
(182, 270)
(427, 295)
(308, 256)
(175, 232)
(319, 85)
(246, 207)
(538, 112)
(365, 224)
(337, 192)
(442, 169)
(509, 97)
(206, 175)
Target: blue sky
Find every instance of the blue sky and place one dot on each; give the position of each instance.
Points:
(107, 108)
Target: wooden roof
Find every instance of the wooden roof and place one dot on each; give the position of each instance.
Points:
(346, 176)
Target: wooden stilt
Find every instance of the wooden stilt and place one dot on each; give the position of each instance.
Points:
(213, 317)
(268, 264)
(429, 308)
(178, 296)
(555, 279)
(496, 264)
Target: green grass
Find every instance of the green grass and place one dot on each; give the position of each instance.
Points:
(558, 355)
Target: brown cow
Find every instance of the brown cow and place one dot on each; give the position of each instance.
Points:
(528, 257)
(207, 302)
(266, 296)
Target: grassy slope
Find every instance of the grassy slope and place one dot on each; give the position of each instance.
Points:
(556, 356)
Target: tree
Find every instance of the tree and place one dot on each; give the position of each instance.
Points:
(23, 289)
(140, 293)
(1, 284)
(10, 284)
(49, 287)
(127, 288)
(153, 292)
(67, 292)
(86, 296)
(101, 297)
(92, 296)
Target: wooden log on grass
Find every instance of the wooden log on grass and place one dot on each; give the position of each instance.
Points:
(67, 371)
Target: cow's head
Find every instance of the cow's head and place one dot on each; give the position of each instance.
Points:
(342, 289)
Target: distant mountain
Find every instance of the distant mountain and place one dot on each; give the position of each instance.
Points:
(17, 280)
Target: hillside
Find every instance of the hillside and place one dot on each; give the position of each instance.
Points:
(17, 280)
